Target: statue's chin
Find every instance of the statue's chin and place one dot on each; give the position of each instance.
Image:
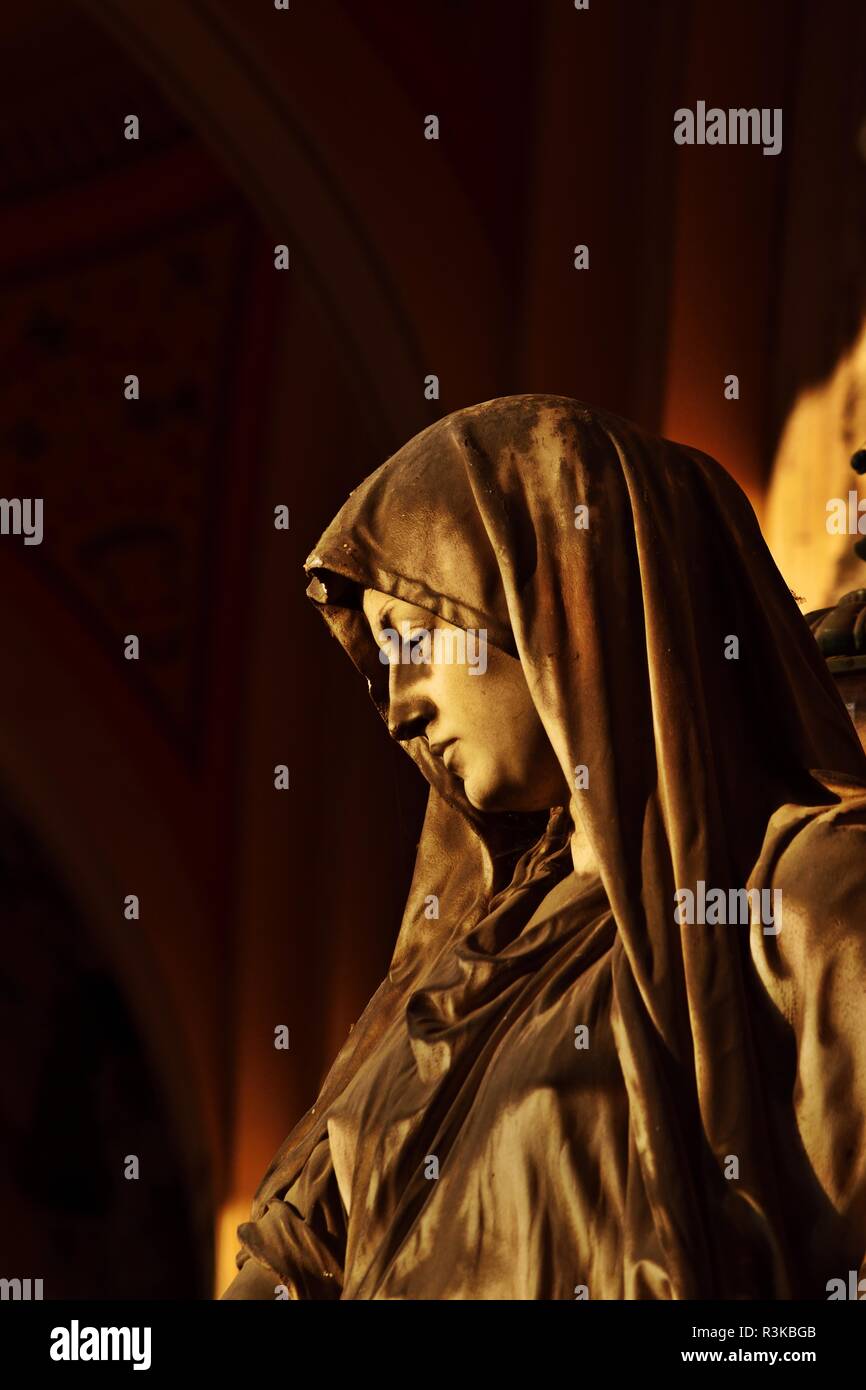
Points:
(482, 800)
(490, 799)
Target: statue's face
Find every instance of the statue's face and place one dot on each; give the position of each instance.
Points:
(470, 701)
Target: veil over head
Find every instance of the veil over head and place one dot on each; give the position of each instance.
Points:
(666, 656)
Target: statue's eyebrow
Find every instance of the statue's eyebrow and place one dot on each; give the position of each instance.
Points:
(384, 616)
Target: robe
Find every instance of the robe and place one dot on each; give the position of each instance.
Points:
(561, 1089)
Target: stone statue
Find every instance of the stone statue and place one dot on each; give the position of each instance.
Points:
(567, 1087)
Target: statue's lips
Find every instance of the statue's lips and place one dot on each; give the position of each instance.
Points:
(442, 750)
(447, 753)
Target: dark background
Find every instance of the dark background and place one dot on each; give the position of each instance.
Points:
(260, 387)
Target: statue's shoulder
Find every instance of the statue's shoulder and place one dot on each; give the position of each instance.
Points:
(820, 865)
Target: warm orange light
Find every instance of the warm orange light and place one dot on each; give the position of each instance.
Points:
(232, 1213)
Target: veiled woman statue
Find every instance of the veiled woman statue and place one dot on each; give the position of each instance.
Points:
(620, 1051)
